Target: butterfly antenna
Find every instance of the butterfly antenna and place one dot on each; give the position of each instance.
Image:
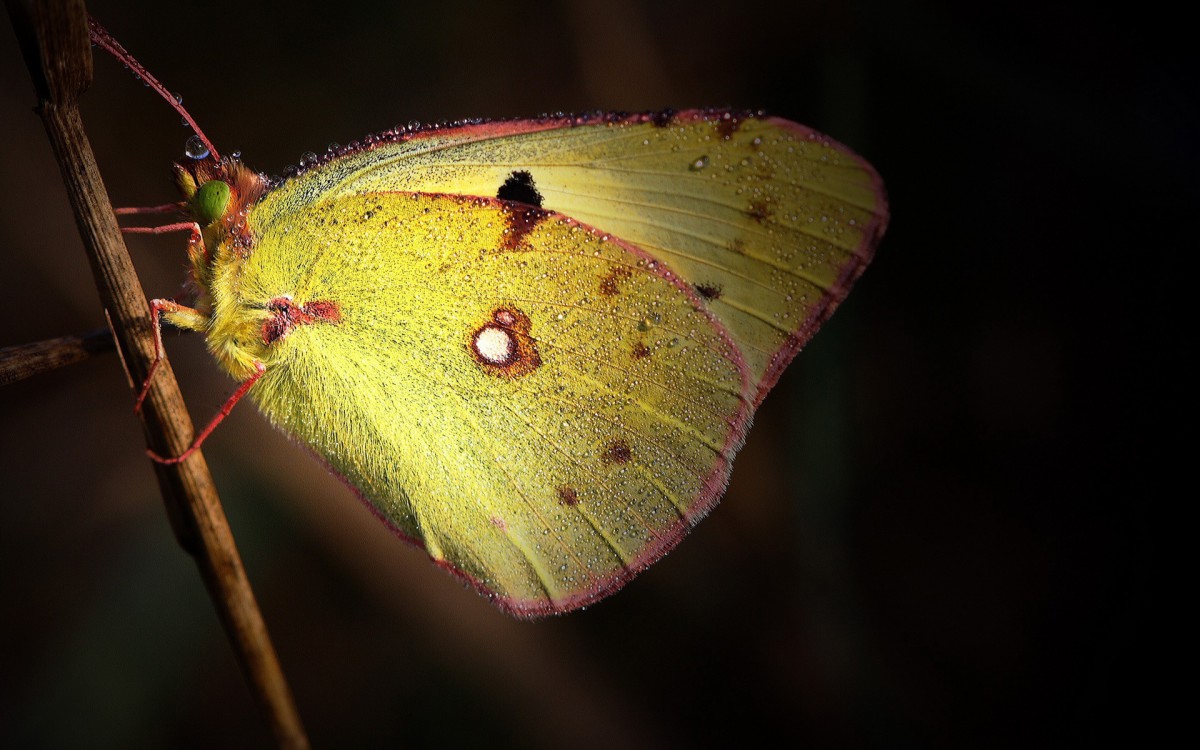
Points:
(101, 37)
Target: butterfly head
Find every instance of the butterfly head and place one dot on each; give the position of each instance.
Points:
(218, 192)
(211, 201)
(218, 195)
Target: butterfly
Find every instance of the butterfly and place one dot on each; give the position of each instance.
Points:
(531, 347)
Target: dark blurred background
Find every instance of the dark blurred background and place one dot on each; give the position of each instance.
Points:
(944, 525)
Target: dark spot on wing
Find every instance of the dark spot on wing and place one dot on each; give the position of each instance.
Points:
(502, 346)
(727, 126)
(640, 351)
(610, 284)
(737, 245)
(521, 221)
(519, 187)
(568, 495)
(617, 452)
(759, 210)
(709, 291)
(663, 119)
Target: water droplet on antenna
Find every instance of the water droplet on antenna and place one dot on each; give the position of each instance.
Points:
(195, 148)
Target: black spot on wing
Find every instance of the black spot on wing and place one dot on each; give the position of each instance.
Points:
(519, 187)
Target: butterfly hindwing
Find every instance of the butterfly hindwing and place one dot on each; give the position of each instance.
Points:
(545, 408)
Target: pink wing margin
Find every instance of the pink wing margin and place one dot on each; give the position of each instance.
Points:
(848, 274)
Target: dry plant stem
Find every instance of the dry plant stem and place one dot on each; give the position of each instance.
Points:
(54, 38)
(27, 360)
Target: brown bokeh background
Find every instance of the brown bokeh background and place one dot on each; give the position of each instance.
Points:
(940, 532)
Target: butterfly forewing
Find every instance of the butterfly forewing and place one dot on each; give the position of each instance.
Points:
(770, 222)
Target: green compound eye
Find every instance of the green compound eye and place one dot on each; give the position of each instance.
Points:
(211, 200)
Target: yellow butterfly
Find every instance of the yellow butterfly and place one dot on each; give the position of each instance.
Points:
(531, 347)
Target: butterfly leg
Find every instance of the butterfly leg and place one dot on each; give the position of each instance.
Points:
(164, 229)
(177, 315)
(243, 389)
(197, 251)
